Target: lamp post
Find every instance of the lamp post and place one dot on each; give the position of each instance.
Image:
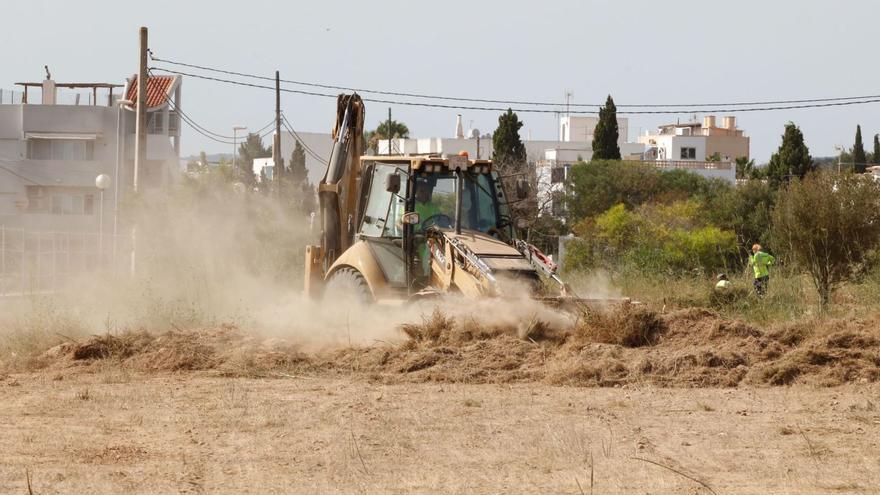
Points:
(102, 182)
(120, 157)
(235, 130)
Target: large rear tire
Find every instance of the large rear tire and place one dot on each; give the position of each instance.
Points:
(348, 284)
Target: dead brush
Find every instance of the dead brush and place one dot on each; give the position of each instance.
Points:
(431, 329)
(627, 326)
(111, 346)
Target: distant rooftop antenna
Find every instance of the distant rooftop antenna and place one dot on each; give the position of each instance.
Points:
(48, 74)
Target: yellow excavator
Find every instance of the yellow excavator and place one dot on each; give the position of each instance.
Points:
(396, 228)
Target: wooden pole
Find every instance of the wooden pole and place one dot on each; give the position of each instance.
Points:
(276, 141)
(140, 147)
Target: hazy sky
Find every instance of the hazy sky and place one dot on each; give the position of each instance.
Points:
(639, 51)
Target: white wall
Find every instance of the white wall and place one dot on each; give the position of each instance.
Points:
(581, 128)
(671, 145)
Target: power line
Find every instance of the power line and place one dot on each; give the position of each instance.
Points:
(531, 110)
(189, 120)
(299, 139)
(519, 102)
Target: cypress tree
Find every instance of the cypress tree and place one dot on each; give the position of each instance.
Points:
(298, 172)
(606, 134)
(792, 159)
(858, 153)
(875, 158)
(509, 157)
(509, 150)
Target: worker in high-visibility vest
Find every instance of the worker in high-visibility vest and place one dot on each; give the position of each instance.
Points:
(760, 262)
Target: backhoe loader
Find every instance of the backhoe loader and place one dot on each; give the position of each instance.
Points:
(397, 228)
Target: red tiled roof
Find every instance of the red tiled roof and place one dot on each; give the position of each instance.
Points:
(158, 88)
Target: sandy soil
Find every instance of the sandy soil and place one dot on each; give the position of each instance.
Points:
(115, 431)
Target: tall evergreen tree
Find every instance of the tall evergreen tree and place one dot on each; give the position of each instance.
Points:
(251, 148)
(509, 157)
(303, 196)
(298, 173)
(875, 158)
(792, 159)
(509, 149)
(606, 134)
(859, 158)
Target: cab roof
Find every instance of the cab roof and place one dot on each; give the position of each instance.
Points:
(417, 159)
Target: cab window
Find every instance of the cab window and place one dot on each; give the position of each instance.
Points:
(383, 209)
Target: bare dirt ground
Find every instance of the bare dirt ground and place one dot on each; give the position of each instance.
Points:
(112, 431)
(628, 401)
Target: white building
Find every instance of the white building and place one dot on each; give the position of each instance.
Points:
(51, 151)
(700, 147)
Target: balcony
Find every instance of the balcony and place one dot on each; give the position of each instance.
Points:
(690, 164)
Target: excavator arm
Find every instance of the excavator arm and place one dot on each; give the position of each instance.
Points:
(337, 192)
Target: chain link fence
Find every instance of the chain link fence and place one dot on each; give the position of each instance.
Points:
(39, 262)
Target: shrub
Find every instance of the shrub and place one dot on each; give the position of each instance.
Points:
(830, 225)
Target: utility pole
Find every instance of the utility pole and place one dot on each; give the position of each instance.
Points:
(276, 142)
(140, 144)
(388, 130)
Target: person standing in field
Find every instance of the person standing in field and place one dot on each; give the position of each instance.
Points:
(760, 261)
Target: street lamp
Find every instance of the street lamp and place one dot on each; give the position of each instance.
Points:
(235, 130)
(102, 182)
(839, 148)
(120, 136)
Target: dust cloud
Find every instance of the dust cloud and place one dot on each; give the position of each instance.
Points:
(205, 256)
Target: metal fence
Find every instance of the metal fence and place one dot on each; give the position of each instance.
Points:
(37, 262)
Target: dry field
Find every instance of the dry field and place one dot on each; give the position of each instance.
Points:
(624, 402)
(112, 431)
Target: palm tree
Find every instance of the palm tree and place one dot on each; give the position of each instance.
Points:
(398, 130)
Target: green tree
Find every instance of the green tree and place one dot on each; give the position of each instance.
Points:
(745, 210)
(303, 199)
(509, 149)
(792, 160)
(298, 173)
(384, 131)
(859, 158)
(744, 167)
(596, 186)
(830, 226)
(875, 157)
(509, 157)
(606, 134)
(250, 149)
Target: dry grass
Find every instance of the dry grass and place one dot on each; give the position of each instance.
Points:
(172, 433)
(621, 345)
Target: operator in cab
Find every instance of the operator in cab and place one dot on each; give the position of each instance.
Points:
(426, 209)
(424, 206)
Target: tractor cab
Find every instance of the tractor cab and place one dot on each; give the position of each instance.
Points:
(404, 199)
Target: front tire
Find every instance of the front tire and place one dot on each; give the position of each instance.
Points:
(349, 284)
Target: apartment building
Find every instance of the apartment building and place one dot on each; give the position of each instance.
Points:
(54, 143)
(700, 147)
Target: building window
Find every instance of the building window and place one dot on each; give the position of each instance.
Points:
(557, 175)
(688, 153)
(60, 200)
(156, 123)
(61, 149)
